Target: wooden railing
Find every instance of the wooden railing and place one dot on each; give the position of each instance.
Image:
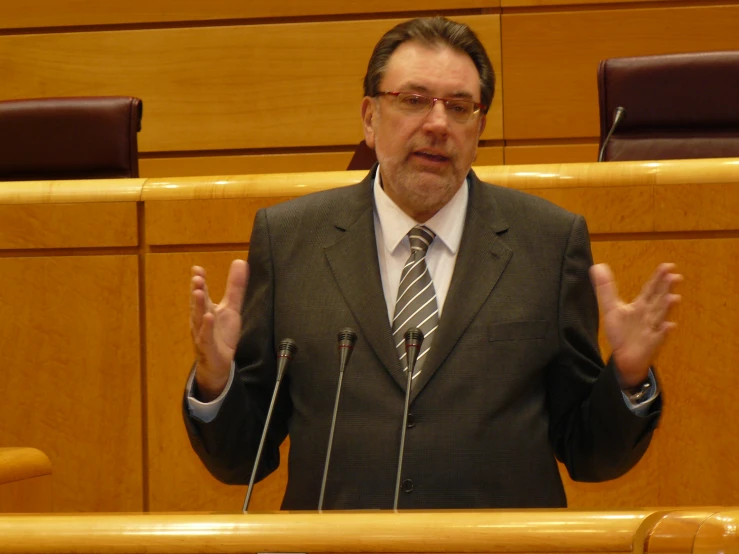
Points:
(25, 480)
(698, 531)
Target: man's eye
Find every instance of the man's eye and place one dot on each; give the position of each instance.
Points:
(459, 108)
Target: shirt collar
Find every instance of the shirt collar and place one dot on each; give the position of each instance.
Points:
(447, 223)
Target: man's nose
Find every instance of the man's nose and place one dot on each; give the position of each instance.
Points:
(438, 116)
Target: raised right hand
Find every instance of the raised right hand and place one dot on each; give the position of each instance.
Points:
(215, 329)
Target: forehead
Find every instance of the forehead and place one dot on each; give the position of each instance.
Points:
(438, 69)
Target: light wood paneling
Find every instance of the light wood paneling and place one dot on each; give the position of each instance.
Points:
(709, 206)
(217, 88)
(47, 13)
(543, 3)
(695, 448)
(70, 342)
(178, 480)
(614, 210)
(551, 153)
(33, 495)
(489, 155)
(550, 60)
(203, 222)
(191, 166)
(48, 225)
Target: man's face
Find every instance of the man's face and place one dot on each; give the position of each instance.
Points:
(424, 158)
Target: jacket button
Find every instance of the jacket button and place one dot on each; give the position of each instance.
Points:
(407, 485)
(411, 421)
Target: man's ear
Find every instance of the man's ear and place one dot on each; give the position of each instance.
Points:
(483, 122)
(368, 112)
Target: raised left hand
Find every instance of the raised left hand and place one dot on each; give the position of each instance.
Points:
(636, 331)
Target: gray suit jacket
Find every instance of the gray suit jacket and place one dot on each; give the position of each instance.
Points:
(513, 380)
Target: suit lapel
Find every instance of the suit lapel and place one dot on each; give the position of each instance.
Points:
(481, 260)
(355, 267)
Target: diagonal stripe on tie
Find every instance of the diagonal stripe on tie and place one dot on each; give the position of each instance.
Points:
(416, 305)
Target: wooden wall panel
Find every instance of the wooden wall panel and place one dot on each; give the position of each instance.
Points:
(550, 59)
(48, 225)
(219, 221)
(213, 88)
(72, 386)
(244, 164)
(693, 456)
(255, 164)
(178, 480)
(35, 495)
(551, 153)
(47, 13)
(547, 3)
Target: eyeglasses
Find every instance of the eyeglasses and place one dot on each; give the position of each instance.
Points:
(460, 110)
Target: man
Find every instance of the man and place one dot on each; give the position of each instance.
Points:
(510, 375)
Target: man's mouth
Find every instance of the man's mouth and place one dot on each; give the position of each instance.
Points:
(431, 156)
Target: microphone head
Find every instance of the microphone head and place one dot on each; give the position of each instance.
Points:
(287, 349)
(347, 337)
(619, 113)
(413, 337)
(285, 353)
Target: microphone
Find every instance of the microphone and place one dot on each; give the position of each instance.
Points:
(285, 353)
(347, 337)
(618, 115)
(413, 341)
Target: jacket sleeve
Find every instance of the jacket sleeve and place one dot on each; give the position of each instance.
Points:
(228, 444)
(592, 430)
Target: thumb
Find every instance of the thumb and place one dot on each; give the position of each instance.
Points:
(238, 276)
(605, 286)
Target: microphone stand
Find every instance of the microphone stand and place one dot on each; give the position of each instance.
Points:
(285, 353)
(347, 337)
(618, 114)
(413, 341)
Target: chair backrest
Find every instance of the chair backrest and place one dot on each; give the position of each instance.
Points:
(363, 158)
(69, 138)
(678, 106)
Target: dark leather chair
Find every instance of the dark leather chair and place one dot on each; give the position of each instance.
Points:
(363, 158)
(69, 138)
(677, 106)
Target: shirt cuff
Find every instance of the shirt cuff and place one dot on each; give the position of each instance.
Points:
(206, 411)
(641, 406)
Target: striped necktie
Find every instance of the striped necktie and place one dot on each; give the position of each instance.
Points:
(416, 303)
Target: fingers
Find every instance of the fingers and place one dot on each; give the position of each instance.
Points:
(659, 297)
(605, 286)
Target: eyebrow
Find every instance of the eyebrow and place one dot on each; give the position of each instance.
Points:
(425, 90)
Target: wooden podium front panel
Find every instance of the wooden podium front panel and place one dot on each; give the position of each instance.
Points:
(71, 380)
(177, 478)
(692, 458)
